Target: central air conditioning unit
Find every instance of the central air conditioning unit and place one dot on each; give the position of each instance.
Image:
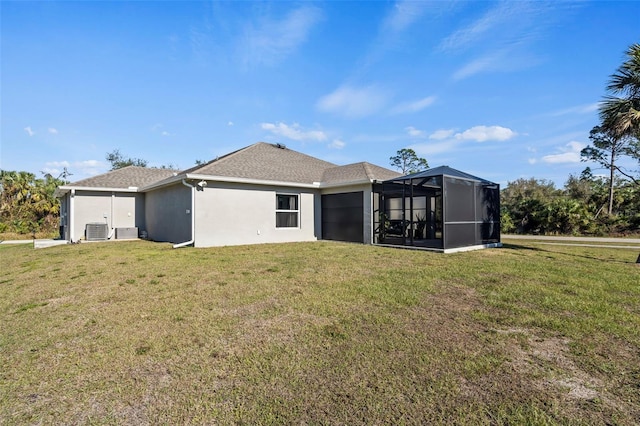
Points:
(126, 233)
(96, 231)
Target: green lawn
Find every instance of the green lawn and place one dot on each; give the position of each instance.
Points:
(318, 333)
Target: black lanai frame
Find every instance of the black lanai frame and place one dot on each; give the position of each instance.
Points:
(439, 209)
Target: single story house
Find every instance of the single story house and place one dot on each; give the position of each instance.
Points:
(263, 193)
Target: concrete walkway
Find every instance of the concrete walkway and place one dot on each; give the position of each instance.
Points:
(16, 242)
(595, 242)
(592, 240)
(37, 243)
(44, 243)
(48, 243)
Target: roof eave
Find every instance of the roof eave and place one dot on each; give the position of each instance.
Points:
(214, 178)
(64, 189)
(313, 185)
(162, 183)
(346, 183)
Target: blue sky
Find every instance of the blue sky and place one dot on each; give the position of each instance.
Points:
(501, 90)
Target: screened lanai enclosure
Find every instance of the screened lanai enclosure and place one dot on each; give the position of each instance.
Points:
(440, 209)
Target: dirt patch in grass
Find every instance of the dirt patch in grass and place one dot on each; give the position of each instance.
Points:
(537, 373)
(553, 368)
(549, 364)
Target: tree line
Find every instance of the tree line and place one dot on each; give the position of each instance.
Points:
(28, 204)
(590, 204)
(535, 206)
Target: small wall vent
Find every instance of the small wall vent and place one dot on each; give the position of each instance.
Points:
(96, 231)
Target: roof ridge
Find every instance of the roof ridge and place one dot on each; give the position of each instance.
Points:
(367, 169)
(218, 159)
(265, 161)
(103, 174)
(123, 177)
(282, 146)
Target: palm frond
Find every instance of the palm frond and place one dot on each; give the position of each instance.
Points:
(626, 80)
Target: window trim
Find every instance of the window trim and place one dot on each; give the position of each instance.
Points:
(296, 211)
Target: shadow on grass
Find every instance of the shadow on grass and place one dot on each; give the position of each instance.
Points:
(519, 247)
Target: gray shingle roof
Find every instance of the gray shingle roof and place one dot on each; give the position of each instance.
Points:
(357, 172)
(130, 176)
(264, 161)
(261, 161)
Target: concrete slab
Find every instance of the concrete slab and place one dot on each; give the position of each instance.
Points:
(17, 242)
(577, 239)
(592, 245)
(48, 243)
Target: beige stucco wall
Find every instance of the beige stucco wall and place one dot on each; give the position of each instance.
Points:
(166, 215)
(367, 206)
(116, 209)
(234, 214)
(226, 213)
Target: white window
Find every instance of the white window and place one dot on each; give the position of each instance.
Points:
(287, 210)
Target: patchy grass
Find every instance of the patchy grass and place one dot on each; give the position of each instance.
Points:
(326, 333)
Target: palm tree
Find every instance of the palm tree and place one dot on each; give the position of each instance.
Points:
(620, 111)
(619, 133)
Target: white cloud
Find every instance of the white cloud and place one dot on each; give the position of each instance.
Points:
(52, 171)
(442, 134)
(404, 14)
(52, 130)
(294, 132)
(507, 23)
(414, 106)
(503, 36)
(570, 153)
(486, 133)
(485, 63)
(157, 128)
(378, 138)
(432, 148)
(230, 123)
(415, 133)
(532, 160)
(89, 163)
(353, 102)
(580, 109)
(337, 144)
(507, 59)
(400, 18)
(500, 15)
(80, 169)
(447, 140)
(58, 164)
(29, 131)
(271, 40)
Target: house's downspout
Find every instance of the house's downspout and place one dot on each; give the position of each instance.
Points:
(72, 196)
(113, 196)
(193, 216)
